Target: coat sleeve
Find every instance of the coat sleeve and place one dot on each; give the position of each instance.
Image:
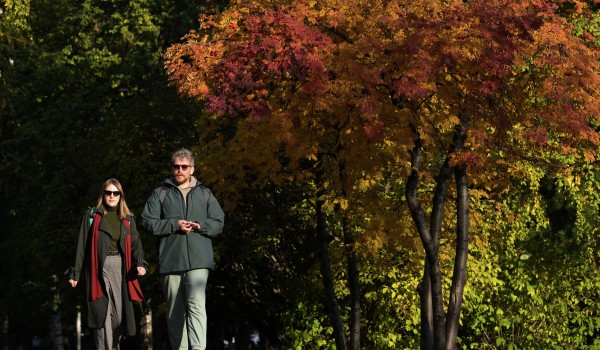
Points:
(152, 219)
(137, 249)
(80, 250)
(213, 224)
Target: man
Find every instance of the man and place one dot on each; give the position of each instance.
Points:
(186, 216)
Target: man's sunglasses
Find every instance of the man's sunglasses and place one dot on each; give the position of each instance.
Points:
(183, 167)
(113, 193)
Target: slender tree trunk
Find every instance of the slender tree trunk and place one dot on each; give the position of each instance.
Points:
(353, 283)
(56, 332)
(433, 335)
(436, 221)
(78, 328)
(351, 264)
(418, 216)
(437, 302)
(326, 274)
(462, 242)
(426, 310)
(460, 262)
(4, 339)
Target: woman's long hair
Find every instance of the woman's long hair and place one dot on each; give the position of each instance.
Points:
(123, 209)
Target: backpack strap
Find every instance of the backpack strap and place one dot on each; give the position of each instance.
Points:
(162, 194)
(206, 193)
(92, 216)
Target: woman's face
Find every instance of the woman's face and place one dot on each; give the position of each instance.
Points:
(111, 196)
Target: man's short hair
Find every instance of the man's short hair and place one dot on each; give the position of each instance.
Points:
(183, 153)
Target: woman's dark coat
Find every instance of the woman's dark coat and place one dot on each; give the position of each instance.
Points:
(97, 309)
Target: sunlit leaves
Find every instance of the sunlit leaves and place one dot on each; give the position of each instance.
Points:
(14, 16)
(336, 58)
(240, 58)
(346, 86)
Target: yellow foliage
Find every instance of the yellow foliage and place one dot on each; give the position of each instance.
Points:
(388, 80)
(343, 203)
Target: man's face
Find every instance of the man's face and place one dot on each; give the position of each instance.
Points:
(182, 170)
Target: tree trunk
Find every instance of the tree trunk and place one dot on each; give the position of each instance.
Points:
(433, 335)
(426, 310)
(351, 264)
(353, 283)
(433, 264)
(4, 339)
(326, 274)
(462, 242)
(418, 216)
(56, 332)
(78, 328)
(437, 302)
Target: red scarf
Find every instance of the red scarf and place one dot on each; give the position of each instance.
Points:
(133, 286)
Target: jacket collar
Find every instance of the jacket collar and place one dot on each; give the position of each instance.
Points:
(103, 224)
(194, 182)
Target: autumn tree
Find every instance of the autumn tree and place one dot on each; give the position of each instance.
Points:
(336, 93)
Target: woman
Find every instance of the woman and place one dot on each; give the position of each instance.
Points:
(110, 252)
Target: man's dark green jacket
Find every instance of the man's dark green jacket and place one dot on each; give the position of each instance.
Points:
(180, 252)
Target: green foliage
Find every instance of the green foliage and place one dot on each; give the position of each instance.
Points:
(308, 328)
(262, 263)
(84, 99)
(533, 282)
(392, 314)
(588, 27)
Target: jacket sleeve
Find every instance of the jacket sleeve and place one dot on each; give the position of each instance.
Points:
(151, 217)
(80, 251)
(137, 249)
(213, 224)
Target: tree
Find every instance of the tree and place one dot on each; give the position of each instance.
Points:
(449, 82)
(84, 99)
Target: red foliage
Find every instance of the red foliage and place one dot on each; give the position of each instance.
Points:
(503, 62)
(465, 157)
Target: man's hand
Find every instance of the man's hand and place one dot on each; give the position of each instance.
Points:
(188, 226)
(141, 270)
(72, 282)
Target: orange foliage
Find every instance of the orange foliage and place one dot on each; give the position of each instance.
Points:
(342, 81)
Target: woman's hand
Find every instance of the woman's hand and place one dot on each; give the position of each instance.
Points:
(141, 270)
